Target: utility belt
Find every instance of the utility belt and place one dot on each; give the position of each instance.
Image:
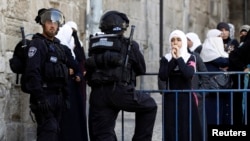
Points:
(110, 75)
(55, 89)
(109, 84)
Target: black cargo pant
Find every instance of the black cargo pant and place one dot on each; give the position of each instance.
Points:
(48, 123)
(105, 104)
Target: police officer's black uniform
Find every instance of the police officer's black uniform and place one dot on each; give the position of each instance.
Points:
(45, 85)
(107, 98)
(46, 78)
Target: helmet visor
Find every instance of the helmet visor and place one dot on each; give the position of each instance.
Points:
(54, 16)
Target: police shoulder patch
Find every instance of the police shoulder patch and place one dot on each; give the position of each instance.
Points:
(32, 51)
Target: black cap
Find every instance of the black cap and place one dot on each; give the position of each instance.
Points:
(223, 25)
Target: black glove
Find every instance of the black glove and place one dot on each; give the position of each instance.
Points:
(43, 105)
(67, 104)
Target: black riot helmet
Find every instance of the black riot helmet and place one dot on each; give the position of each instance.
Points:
(113, 22)
(51, 14)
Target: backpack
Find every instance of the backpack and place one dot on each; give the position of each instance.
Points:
(18, 61)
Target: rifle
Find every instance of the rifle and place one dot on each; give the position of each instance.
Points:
(23, 37)
(130, 44)
(24, 44)
(126, 63)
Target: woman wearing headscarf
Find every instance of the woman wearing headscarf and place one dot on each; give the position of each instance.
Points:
(236, 65)
(243, 32)
(177, 69)
(212, 53)
(242, 63)
(80, 57)
(216, 59)
(194, 42)
(199, 81)
(74, 126)
(227, 30)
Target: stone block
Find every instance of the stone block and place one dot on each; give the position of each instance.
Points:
(2, 64)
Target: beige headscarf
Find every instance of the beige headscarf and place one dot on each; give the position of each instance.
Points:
(183, 50)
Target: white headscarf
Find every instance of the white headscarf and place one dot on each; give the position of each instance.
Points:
(213, 46)
(73, 25)
(231, 30)
(65, 36)
(183, 50)
(195, 39)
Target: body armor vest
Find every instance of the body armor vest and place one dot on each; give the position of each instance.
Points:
(55, 69)
(107, 54)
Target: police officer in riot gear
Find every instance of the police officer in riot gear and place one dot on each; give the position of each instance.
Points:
(113, 83)
(47, 75)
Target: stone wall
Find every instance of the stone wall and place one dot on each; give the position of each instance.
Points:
(188, 15)
(15, 121)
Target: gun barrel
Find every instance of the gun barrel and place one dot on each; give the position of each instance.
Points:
(131, 33)
(130, 44)
(23, 37)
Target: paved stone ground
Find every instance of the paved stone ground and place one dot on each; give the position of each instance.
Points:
(129, 123)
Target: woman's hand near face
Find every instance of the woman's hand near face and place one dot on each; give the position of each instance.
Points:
(175, 51)
(176, 45)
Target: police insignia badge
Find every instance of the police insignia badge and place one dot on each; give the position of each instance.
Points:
(32, 51)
